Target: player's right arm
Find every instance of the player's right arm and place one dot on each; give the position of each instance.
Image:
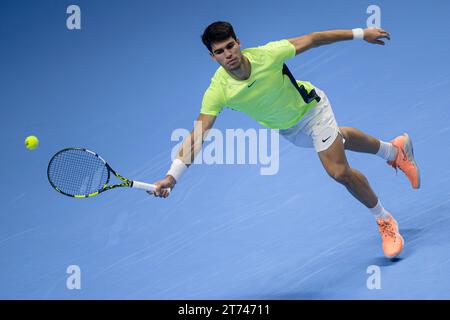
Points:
(191, 146)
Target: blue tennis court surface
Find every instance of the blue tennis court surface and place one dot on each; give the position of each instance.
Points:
(136, 72)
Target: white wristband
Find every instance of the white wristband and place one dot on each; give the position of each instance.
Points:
(177, 168)
(358, 33)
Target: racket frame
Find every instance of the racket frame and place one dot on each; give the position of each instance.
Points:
(126, 182)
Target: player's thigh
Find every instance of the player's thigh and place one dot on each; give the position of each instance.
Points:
(334, 160)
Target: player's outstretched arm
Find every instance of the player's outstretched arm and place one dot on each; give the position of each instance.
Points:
(190, 147)
(317, 39)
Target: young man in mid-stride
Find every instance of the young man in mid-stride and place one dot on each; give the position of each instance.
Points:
(256, 81)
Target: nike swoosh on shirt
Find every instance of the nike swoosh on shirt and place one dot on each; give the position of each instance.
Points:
(251, 84)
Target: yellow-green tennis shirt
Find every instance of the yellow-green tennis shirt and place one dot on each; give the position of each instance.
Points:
(267, 95)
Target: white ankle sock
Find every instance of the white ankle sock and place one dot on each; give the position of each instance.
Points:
(387, 151)
(379, 211)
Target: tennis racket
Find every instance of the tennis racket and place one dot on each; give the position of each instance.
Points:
(81, 173)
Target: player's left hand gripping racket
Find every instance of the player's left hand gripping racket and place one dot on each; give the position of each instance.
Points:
(80, 173)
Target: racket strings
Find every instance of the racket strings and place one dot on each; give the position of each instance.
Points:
(78, 172)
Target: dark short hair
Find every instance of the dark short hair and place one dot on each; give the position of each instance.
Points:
(217, 31)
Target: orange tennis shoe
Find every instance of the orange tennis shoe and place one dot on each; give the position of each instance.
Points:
(392, 240)
(405, 160)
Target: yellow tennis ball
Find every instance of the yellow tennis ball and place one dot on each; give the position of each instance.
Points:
(31, 142)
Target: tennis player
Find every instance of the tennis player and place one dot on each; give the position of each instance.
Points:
(257, 82)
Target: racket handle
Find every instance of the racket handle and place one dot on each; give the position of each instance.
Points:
(145, 186)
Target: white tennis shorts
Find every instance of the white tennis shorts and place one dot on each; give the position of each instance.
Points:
(317, 128)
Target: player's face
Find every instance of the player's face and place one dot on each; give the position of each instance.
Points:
(227, 53)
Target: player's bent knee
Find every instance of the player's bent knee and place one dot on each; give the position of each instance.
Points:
(342, 175)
